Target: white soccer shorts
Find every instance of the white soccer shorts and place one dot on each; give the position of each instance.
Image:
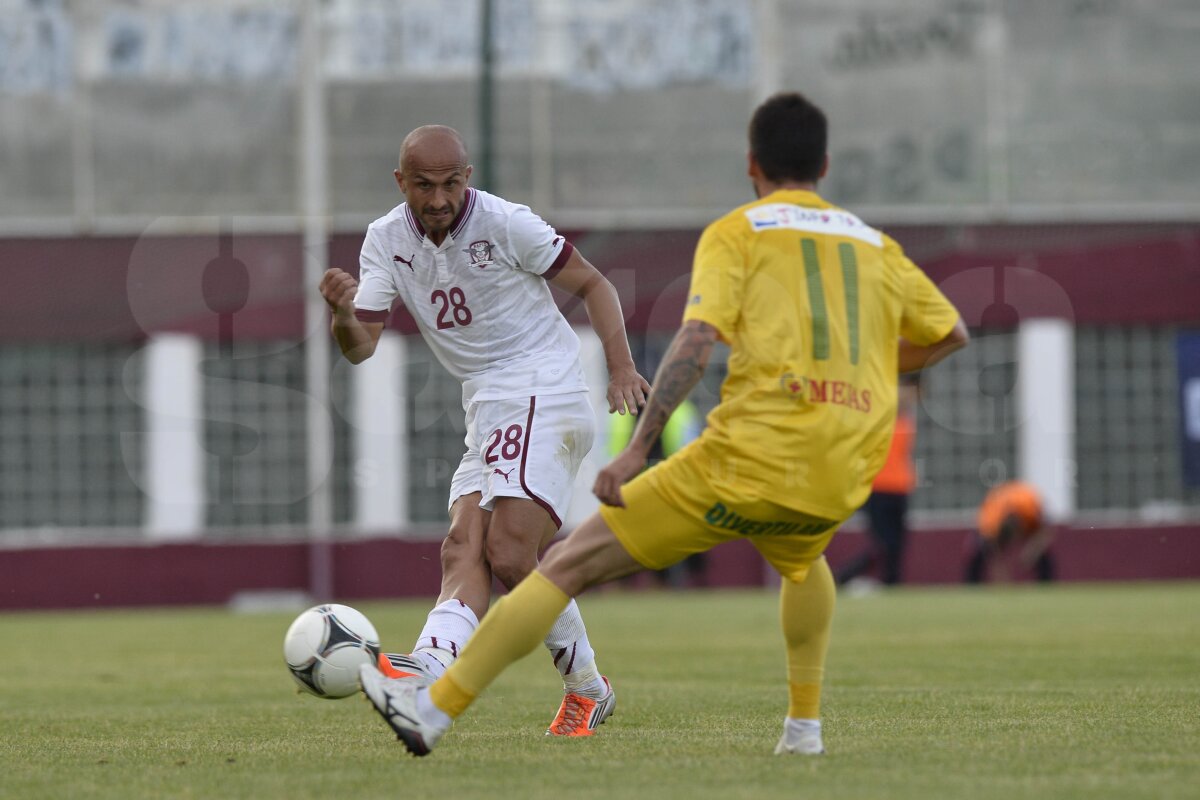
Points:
(528, 447)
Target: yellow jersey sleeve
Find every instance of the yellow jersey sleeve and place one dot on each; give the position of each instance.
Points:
(926, 316)
(718, 281)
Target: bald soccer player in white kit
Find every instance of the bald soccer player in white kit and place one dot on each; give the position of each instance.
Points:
(473, 271)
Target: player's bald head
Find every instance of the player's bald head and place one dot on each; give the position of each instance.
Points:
(433, 176)
(433, 148)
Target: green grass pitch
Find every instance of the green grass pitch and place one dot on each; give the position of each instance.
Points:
(1016, 692)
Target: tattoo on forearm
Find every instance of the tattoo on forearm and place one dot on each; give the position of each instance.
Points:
(681, 370)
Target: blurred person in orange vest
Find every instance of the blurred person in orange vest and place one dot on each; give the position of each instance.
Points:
(887, 507)
(1011, 525)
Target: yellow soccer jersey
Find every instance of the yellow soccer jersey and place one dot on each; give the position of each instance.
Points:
(812, 302)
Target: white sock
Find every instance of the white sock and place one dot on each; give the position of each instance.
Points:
(586, 681)
(447, 629)
(573, 654)
(435, 659)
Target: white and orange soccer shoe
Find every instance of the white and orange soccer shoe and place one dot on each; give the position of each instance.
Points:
(404, 665)
(580, 716)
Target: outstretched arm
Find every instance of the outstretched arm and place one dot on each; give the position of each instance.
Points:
(626, 388)
(356, 339)
(681, 370)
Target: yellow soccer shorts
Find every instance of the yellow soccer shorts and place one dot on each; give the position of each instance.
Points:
(672, 510)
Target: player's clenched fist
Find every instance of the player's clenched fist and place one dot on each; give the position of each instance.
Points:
(338, 288)
(616, 474)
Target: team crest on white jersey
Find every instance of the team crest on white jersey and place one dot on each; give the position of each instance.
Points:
(480, 253)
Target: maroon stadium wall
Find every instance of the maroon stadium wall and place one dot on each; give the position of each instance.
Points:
(99, 288)
(189, 574)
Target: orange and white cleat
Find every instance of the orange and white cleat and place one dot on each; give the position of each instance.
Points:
(403, 665)
(580, 716)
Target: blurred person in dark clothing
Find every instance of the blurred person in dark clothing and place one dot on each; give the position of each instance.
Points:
(887, 507)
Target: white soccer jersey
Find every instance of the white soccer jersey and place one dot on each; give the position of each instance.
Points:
(480, 299)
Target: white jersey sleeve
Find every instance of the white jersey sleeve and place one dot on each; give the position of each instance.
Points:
(376, 283)
(536, 245)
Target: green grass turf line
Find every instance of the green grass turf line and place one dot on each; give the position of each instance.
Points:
(1018, 692)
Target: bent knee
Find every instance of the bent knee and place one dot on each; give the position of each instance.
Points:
(511, 557)
(463, 542)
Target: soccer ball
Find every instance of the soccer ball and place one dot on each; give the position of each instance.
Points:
(325, 646)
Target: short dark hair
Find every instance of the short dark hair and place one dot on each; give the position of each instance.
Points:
(788, 136)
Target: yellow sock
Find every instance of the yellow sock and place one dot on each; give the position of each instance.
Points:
(806, 612)
(512, 628)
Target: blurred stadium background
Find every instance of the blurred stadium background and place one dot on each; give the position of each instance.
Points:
(173, 176)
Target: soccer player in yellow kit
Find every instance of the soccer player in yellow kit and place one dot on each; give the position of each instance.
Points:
(821, 313)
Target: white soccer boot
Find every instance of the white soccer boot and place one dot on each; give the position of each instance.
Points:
(396, 701)
(797, 740)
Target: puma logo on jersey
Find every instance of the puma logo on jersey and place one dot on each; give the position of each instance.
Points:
(406, 261)
(502, 473)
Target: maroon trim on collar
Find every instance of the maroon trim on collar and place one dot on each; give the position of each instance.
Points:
(366, 315)
(463, 213)
(560, 261)
(413, 222)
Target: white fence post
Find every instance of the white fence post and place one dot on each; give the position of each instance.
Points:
(174, 454)
(1046, 394)
(381, 441)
